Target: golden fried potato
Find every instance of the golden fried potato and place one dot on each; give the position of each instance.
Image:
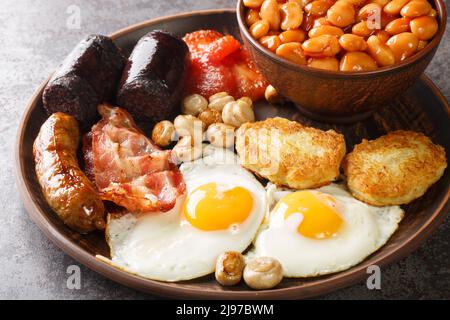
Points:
(290, 154)
(394, 169)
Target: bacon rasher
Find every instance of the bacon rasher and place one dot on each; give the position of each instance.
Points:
(128, 168)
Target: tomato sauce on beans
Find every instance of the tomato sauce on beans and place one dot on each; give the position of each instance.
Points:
(345, 35)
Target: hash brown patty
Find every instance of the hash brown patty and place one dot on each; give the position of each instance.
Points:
(290, 154)
(394, 169)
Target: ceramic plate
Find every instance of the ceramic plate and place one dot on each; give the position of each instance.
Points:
(422, 108)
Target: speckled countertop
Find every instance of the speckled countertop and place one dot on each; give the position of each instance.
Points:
(34, 38)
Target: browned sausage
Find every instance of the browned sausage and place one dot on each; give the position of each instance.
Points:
(153, 79)
(87, 77)
(67, 190)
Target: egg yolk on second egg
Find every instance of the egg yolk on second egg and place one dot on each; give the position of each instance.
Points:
(321, 219)
(212, 207)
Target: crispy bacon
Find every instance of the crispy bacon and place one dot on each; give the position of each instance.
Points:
(129, 169)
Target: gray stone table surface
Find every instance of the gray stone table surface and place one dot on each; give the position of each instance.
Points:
(34, 38)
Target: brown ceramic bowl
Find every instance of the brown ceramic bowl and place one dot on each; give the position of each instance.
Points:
(334, 96)
(422, 109)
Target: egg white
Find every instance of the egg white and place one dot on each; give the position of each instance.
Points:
(365, 230)
(166, 247)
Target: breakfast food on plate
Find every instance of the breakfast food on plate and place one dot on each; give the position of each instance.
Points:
(219, 63)
(229, 268)
(154, 77)
(196, 208)
(187, 125)
(342, 35)
(88, 76)
(220, 135)
(194, 104)
(187, 149)
(394, 169)
(288, 153)
(210, 116)
(163, 133)
(236, 113)
(316, 232)
(222, 211)
(218, 100)
(272, 96)
(88, 157)
(220, 118)
(263, 273)
(129, 169)
(65, 187)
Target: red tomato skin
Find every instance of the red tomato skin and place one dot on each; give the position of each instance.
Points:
(219, 63)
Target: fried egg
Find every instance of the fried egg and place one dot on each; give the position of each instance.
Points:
(222, 210)
(317, 232)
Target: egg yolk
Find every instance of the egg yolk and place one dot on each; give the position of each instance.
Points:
(213, 207)
(321, 219)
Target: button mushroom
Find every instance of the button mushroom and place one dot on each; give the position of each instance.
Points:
(247, 100)
(263, 273)
(163, 133)
(210, 116)
(219, 100)
(194, 104)
(220, 135)
(236, 113)
(272, 96)
(186, 150)
(188, 125)
(229, 267)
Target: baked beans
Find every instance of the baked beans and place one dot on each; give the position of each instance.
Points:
(393, 7)
(291, 15)
(382, 3)
(357, 3)
(422, 44)
(403, 45)
(369, 10)
(380, 52)
(382, 35)
(330, 63)
(259, 29)
(398, 26)
(271, 42)
(293, 36)
(341, 14)
(318, 7)
(270, 12)
(351, 42)
(357, 61)
(251, 17)
(345, 35)
(432, 13)
(321, 46)
(322, 21)
(415, 8)
(253, 3)
(293, 52)
(424, 28)
(324, 29)
(362, 29)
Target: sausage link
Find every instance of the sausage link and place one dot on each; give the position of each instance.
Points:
(87, 77)
(65, 187)
(154, 76)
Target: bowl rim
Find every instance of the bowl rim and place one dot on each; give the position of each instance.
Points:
(177, 290)
(442, 20)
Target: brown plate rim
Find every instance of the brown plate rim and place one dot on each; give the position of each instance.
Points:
(176, 290)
